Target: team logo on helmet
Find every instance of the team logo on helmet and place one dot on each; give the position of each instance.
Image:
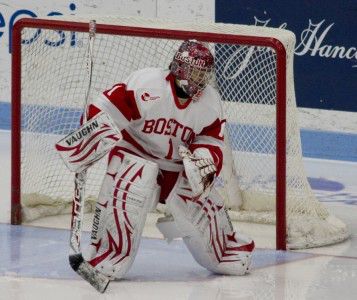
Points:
(186, 58)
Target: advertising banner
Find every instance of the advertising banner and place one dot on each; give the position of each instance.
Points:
(326, 45)
(11, 11)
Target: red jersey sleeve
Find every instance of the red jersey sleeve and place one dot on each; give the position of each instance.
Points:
(124, 101)
(91, 112)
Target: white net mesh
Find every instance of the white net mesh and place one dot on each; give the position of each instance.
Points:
(54, 82)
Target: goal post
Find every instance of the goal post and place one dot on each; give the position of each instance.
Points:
(254, 76)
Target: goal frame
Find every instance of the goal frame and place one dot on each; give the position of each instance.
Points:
(281, 88)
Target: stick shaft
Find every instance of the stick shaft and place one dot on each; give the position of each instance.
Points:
(78, 264)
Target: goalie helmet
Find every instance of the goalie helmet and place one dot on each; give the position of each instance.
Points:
(192, 67)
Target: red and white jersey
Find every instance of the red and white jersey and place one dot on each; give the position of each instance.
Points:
(154, 123)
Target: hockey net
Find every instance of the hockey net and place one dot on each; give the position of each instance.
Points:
(252, 72)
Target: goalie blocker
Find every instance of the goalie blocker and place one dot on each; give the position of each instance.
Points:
(89, 143)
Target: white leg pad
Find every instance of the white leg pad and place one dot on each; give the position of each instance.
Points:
(208, 232)
(126, 196)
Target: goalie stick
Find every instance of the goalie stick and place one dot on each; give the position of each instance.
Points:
(98, 280)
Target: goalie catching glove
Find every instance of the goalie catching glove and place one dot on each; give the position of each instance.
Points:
(199, 168)
(89, 143)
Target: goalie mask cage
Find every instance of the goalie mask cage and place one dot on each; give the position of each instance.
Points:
(263, 179)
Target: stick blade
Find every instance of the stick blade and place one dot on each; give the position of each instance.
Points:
(98, 280)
